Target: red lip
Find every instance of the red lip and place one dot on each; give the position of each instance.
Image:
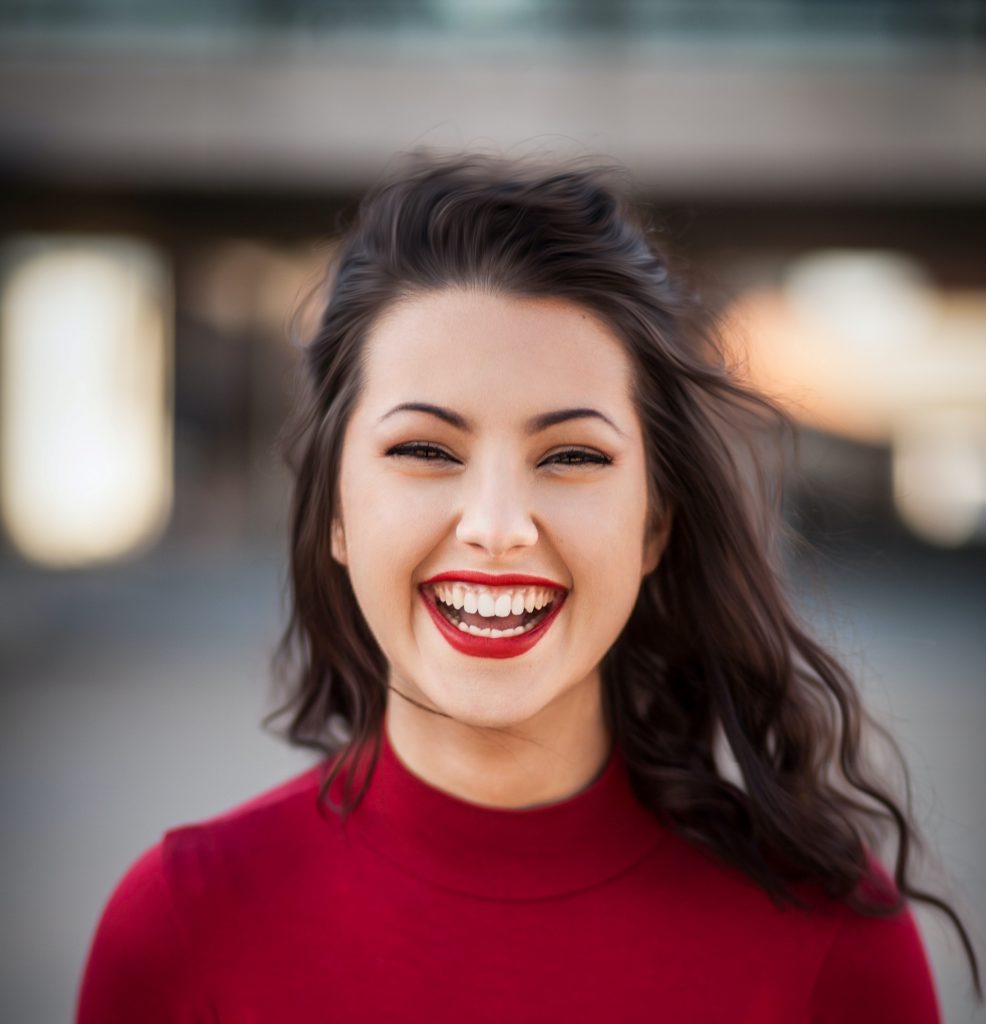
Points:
(488, 646)
(506, 580)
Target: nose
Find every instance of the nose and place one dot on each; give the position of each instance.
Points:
(496, 514)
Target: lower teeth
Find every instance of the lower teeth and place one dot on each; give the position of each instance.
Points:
(476, 631)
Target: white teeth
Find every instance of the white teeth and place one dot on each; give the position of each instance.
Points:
(476, 631)
(496, 604)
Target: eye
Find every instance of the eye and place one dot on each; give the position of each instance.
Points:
(420, 451)
(578, 457)
(426, 452)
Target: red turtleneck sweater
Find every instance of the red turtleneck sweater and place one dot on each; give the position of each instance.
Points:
(424, 907)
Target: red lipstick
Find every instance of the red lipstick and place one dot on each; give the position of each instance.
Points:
(511, 579)
(489, 646)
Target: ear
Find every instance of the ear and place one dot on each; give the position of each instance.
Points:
(656, 541)
(338, 542)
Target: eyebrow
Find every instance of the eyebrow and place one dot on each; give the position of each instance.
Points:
(533, 426)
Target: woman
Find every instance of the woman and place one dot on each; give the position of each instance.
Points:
(581, 762)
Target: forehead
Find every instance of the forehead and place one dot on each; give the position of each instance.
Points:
(487, 350)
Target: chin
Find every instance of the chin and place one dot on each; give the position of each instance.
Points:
(483, 706)
(479, 706)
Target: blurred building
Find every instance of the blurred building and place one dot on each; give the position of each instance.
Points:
(824, 163)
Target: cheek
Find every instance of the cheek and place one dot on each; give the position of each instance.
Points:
(394, 499)
(603, 548)
(602, 530)
(380, 504)
(389, 533)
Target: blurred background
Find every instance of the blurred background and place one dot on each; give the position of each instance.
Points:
(172, 176)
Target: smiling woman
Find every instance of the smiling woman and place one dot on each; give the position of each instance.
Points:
(533, 607)
(544, 475)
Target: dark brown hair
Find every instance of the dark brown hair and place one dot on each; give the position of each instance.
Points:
(712, 651)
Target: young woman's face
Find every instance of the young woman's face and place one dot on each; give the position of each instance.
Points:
(494, 492)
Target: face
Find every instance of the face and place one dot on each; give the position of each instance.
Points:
(494, 492)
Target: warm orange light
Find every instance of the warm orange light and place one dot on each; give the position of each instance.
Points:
(860, 345)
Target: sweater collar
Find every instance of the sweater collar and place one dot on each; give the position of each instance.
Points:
(504, 854)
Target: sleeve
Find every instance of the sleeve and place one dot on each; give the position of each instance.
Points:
(140, 964)
(876, 969)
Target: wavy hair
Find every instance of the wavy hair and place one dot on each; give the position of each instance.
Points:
(712, 657)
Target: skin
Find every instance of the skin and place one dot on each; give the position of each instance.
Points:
(511, 732)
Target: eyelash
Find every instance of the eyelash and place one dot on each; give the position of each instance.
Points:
(439, 454)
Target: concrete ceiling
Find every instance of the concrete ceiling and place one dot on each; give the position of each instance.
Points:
(694, 123)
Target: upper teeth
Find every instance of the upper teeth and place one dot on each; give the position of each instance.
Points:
(493, 602)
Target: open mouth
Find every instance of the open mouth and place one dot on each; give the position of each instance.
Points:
(506, 624)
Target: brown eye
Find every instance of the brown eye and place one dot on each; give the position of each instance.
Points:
(579, 457)
(421, 452)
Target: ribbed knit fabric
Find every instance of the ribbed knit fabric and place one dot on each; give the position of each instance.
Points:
(427, 908)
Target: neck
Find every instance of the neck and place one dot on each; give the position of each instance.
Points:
(540, 761)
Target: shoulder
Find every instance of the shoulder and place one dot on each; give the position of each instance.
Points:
(257, 830)
(139, 954)
(875, 966)
(836, 964)
(146, 952)
(204, 861)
